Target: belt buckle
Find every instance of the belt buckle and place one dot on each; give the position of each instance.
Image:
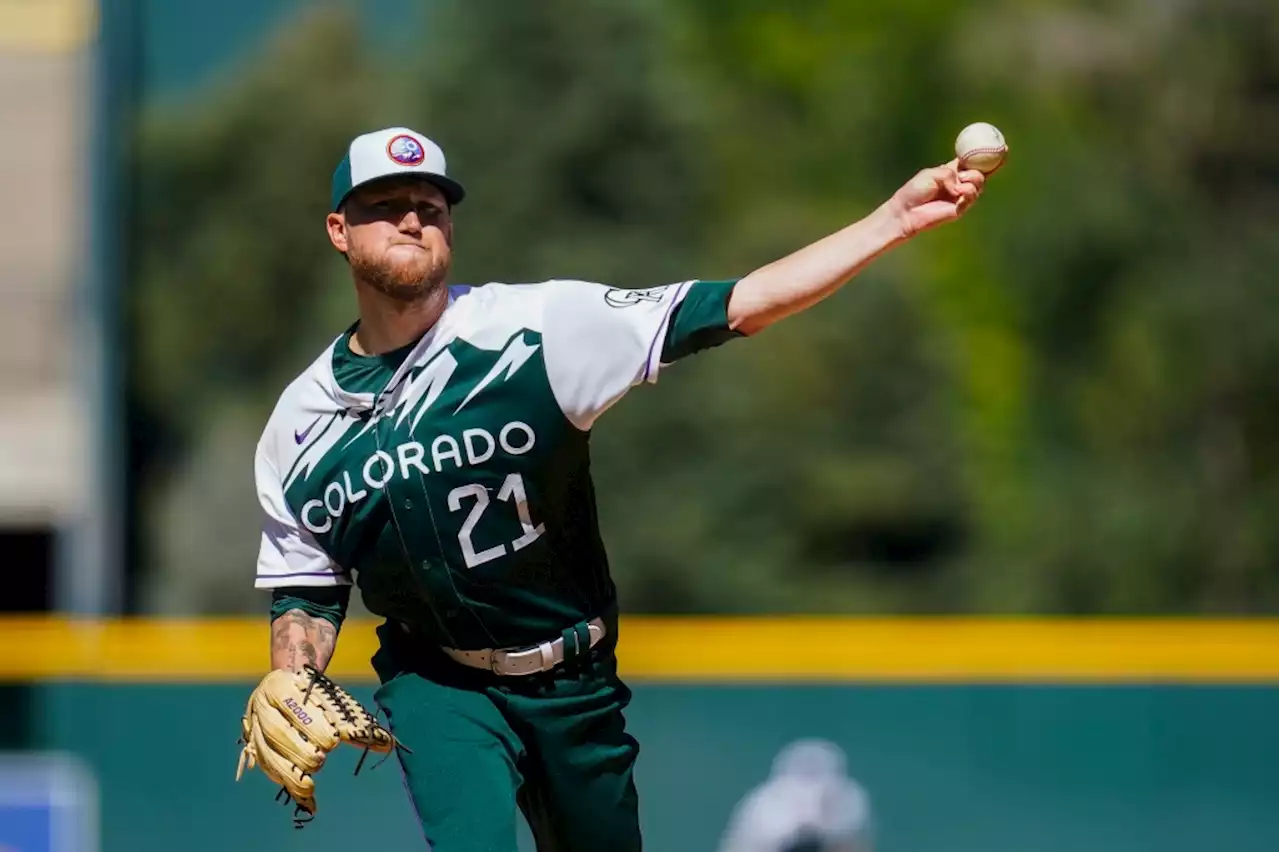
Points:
(505, 660)
(523, 654)
(493, 661)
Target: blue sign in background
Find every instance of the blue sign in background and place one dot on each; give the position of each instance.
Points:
(48, 803)
(26, 828)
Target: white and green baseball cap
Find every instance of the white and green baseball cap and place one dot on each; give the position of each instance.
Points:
(392, 152)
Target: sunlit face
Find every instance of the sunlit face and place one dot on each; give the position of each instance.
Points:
(396, 235)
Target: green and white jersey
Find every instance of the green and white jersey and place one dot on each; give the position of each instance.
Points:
(450, 479)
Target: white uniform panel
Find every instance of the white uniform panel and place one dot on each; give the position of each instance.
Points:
(288, 555)
(600, 342)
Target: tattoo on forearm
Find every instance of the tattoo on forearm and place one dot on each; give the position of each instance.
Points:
(298, 639)
(283, 650)
(325, 639)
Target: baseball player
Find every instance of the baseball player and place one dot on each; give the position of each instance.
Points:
(437, 454)
(808, 804)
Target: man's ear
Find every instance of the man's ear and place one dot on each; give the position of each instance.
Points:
(336, 225)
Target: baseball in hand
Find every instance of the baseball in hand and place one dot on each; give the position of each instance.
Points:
(981, 146)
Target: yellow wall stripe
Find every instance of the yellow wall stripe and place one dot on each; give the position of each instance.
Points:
(772, 649)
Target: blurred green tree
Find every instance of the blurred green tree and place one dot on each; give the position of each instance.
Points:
(1064, 403)
(231, 287)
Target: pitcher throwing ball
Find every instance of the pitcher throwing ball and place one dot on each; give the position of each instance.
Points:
(437, 454)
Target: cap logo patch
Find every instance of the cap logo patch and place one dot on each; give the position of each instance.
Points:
(406, 150)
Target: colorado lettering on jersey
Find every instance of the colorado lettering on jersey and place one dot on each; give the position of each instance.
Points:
(473, 447)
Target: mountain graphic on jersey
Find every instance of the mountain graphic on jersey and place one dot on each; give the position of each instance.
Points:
(444, 426)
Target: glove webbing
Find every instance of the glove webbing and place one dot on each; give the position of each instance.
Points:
(352, 712)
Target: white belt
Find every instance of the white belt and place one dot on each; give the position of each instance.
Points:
(524, 661)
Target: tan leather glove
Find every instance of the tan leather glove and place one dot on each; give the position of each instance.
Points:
(291, 723)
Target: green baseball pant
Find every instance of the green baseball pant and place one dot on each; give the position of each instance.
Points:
(551, 745)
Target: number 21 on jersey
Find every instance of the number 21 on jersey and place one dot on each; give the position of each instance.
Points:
(512, 490)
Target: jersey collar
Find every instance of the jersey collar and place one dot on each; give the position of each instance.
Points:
(438, 335)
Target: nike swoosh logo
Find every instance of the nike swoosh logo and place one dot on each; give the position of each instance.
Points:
(299, 437)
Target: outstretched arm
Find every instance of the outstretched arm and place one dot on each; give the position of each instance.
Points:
(806, 277)
(298, 639)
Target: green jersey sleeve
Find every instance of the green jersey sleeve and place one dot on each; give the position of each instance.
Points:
(327, 602)
(700, 321)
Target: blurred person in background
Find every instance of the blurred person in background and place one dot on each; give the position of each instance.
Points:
(436, 452)
(808, 804)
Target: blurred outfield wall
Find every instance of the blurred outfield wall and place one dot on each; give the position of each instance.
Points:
(970, 735)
